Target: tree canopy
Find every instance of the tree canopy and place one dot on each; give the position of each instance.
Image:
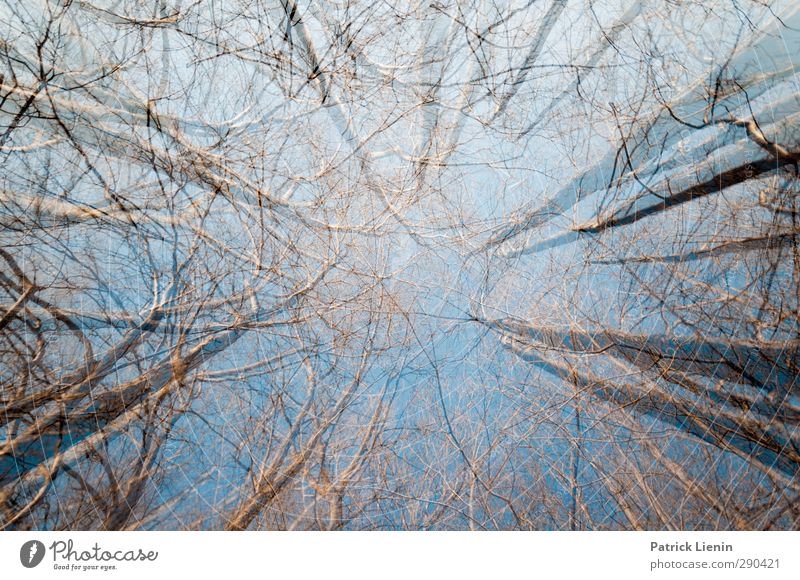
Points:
(442, 265)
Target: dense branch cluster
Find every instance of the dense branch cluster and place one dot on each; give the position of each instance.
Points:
(270, 264)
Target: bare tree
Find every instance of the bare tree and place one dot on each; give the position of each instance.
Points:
(449, 265)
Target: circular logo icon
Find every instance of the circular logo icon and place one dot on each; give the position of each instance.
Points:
(31, 553)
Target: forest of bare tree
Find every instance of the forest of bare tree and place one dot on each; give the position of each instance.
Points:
(446, 265)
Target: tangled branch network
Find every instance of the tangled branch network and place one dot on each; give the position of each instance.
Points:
(271, 264)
